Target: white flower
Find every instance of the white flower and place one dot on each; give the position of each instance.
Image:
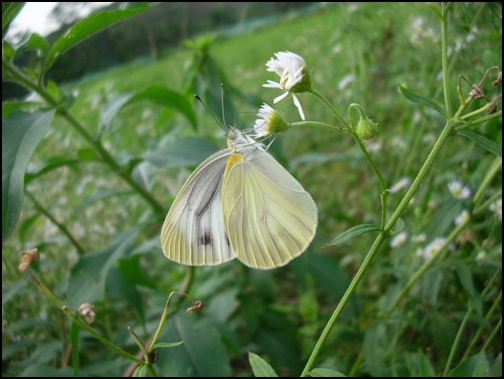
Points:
(481, 255)
(462, 218)
(269, 122)
(419, 238)
(294, 77)
(496, 207)
(399, 239)
(458, 190)
(399, 185)
(433, 248)
(347, 79)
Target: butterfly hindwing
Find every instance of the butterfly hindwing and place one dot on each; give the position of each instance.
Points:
(269, 217)
(193, 232)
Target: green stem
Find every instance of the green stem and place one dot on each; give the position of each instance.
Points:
(59, 225)
(444, 57)
(439, 256)
(478, 196)
(27, 82)
(78, 320)
(319, 124)
(495, 307)
(331, 108)
(457, 341)
(492, 335)
(479, 121)
(445, 134)
(344, 300)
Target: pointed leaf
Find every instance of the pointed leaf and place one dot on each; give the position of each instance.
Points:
(167, 98)
(422, 100)
(260, 367)
(21, 134)
(167, 344)
(86, 28)
(484, 142)
(10, 10)
(202, 353)
(326, 373)
(183, 152)
(353, 232)
(89, 276)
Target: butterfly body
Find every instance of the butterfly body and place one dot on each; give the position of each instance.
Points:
(239, 203)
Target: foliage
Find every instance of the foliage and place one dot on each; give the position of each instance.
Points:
(99, 161)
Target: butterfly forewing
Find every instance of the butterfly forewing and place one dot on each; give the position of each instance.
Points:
(193, 232)
(269, 217)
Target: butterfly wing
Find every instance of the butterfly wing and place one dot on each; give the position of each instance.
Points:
(269, 217)
(193, 232)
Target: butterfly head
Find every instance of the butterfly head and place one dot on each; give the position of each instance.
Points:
(238, 140)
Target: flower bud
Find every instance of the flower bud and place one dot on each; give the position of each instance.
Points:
(28, 257)
(86, 310)
(270, 122)
(367, 129)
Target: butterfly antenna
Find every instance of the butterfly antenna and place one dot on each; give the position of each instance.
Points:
(222, 104)
(211, 114)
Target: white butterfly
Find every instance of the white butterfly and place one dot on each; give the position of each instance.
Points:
(239, 203)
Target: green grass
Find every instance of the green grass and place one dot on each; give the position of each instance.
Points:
(278, 314)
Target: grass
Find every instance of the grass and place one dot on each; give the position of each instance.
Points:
(278, 314)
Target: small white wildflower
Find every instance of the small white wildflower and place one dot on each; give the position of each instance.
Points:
(398, 239)
(434, 247)
(462, 218)
(496, 207)
(481, 255)
(419, 238)
(345, 81)
(294, 76)
(458, 190)
(269, 122)
(399, 185)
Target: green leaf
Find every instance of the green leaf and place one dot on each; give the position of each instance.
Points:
(183, 152)
(422, 100)
(484, 142)
(425, 368)
(353, 232)
(34, 42)
(260, 367)
(167, 344)
(21, 134)
(74, 339)
(326, 373)
(201, 354)
(86, 28)
(157, 94)
(167, 98)
(140, 372)
(89, 276)
(9, 107)
(10, 10)
(398, 227)
(476, 366)
(51, 164)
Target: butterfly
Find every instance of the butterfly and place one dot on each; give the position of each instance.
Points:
(239, 203)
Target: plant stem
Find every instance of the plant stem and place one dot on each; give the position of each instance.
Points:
(122, 172)
(78, 320)
(445, 134)
(457, 340)
(444, 57)
(58, 224)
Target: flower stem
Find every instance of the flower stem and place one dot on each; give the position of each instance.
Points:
(122, 172)
(457, 340)
(78, 320)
